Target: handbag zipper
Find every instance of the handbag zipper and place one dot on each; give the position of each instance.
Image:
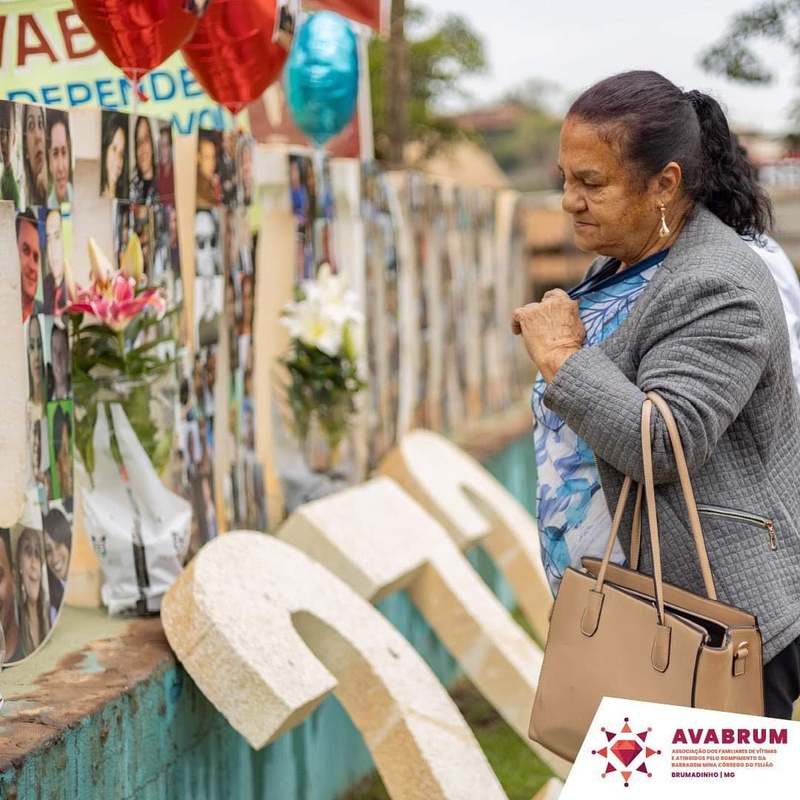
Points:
(743, 516)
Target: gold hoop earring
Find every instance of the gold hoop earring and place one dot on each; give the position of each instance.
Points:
(664, 231)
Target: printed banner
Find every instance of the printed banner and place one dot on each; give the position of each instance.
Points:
(653, 751)
(48, 57)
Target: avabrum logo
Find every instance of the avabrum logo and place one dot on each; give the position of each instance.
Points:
(626, 752)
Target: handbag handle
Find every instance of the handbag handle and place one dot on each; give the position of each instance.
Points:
(688, 496)
(591, 615)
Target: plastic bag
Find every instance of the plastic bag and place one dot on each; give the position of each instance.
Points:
(138, 528)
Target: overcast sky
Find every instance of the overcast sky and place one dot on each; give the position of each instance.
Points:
(574, 43)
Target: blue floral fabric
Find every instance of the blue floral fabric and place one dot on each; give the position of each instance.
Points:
(572, 514)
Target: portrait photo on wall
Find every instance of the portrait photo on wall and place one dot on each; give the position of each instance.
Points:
(12, 182)
(244, 169)
(61, 430)
(30, 243)
(283, 33)
(206, 242)
(114, 155)
(59, 158)
(57, 525)
(121, 228)
(162, 257)
(55, 295)
(302, 193)
(37, 383)
(143, 184)
(31, 590)
(208, 299)
(228, 169)
(57, 365)
(39, 472)
(165, 173)
(209, 183)
(34, 155)
(143, 227)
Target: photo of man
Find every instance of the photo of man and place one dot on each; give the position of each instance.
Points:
(55, 284)
(29, 249)
(165, 177)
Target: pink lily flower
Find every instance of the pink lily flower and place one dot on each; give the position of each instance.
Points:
(116, 304)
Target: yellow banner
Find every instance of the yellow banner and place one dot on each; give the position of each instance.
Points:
(47, 56)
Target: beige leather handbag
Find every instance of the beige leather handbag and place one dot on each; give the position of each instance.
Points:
(615, 632)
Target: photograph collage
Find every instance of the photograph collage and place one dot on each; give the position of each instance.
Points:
(312, 205)
(37, 173)
(382, 299)
(224, 300)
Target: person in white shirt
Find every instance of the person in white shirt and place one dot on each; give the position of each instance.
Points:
(785, 276)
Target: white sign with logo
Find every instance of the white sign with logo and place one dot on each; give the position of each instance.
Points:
(649, 750)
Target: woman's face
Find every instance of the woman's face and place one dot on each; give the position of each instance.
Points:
(35, 351)
(144, 149)
(55, 253)
(612, 214)
(34, 138)
(58, 157)
(30, 565)
(57, 556)
(114, 158)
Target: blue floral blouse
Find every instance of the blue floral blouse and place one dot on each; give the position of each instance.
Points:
(573, 518)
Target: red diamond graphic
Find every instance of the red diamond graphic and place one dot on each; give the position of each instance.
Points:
(626, 750)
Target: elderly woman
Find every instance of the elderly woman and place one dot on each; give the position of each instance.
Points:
(676, 303)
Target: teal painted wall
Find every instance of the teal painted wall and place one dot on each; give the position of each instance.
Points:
(165, 741)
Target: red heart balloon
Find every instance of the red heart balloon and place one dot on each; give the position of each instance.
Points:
(232, 55)
(366, 11)
(137, 35)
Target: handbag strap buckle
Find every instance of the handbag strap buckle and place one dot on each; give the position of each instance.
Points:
(740, 659)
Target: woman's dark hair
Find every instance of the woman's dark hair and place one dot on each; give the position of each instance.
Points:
(113, 122)
(653, 122)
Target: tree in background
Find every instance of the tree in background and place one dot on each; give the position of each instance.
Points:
(733, 57)
(527, 150)
(437, 60)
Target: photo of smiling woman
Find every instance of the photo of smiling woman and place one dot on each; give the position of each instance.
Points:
(143, 174)
(34, 155)
(114, 155)
(34, 622)
(36, 387)
(59, 158)
(57, 550)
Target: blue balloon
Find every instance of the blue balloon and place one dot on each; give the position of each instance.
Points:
(321, 76)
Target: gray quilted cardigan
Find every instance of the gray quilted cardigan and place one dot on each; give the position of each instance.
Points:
(709, 334)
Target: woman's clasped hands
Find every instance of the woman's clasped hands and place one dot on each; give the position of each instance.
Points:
(551, 329)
